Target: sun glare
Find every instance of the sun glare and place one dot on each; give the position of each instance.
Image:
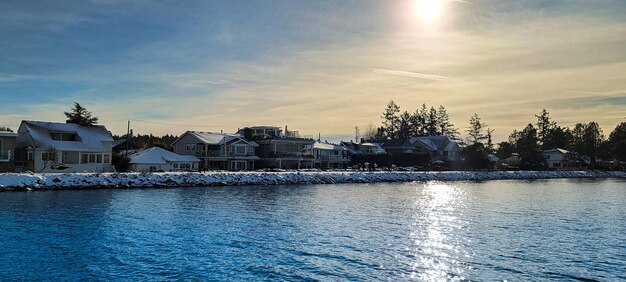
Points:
(429, 10)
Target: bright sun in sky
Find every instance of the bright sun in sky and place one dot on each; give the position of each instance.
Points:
(429, 10)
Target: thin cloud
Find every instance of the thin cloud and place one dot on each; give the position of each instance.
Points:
(412, 74)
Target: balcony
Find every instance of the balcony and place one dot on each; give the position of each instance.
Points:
(220, 154)
(290, 155)
(335, 159)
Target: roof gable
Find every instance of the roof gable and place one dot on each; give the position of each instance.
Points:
(89, 138)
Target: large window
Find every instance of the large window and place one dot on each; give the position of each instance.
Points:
(64, 136)
(240, 149)
(91, 158)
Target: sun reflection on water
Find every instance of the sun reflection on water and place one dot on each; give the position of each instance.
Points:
(438, 233)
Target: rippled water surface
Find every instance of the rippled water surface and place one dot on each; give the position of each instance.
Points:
(515, 230)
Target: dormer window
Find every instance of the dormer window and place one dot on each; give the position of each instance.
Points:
(64, 136)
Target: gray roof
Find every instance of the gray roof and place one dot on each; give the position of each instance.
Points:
(156, 155)
(211, 138)
(429, 143)
(90, 137)
(7, 134)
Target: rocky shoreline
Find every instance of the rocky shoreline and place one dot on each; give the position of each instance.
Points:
(14, 181)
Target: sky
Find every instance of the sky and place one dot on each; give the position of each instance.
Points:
(320, 67)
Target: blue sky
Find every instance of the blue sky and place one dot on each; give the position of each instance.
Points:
(318, 66)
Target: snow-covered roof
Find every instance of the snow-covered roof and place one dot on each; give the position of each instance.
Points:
(89, 138)
(7, 134)
(156, 155)
(327, 146)
(211, 138)
(556, 150)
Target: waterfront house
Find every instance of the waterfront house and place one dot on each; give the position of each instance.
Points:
(218, 151)
(7, 145)
(363, 148)
(278, 149)
(330, 156)
(159, 159)
(563, 159)
(437, 148)
(63, 147)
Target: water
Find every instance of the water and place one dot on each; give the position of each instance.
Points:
(514, 230)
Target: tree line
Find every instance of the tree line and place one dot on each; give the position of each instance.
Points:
(585, 141)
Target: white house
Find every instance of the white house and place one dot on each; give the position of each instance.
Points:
(220, 151)
(557, 158)
(78, 148)
(7, 152)
(158, 159)
(330, 155)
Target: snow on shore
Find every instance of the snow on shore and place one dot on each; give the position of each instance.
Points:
(15, 181)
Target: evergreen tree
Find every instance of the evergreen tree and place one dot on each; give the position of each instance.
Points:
(432, 124)
(586, 141)
(531, 157)
(557, 137)
(617, 142)
(422, 117)
(489, 145)
(475, 130)
(79, 115)
(391, 121)
(593, 139)
(505, 150)
(544, 126)
(445, 126)
(404, 130)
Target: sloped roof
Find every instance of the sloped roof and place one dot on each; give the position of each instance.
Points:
(397, 143)
(7, 134)
(327, 146)
(91, 137)
(557, 150)
(211, 138)
(156, 155)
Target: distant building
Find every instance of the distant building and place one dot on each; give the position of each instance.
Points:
(7, 150)
(438, 148)
(330, 156)
(278, 149)
(159, 159)
(79, 148)
(218, 151)
(562, 159)
(364, 148)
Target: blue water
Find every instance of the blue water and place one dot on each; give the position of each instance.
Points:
(514, 230)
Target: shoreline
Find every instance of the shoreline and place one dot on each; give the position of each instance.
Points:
(58, 181)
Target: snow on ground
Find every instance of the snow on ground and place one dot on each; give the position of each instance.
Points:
(15, 181)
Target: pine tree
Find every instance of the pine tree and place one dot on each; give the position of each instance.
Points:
(530, 154)
(79, 115)
(432, 124)
(391, 121)
(617, 142)
(475, 130)
(446, 128)
(544, 126)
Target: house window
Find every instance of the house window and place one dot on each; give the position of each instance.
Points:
(29, 156)
(91, 158)
(556, 165)
(191, 147)
(175, 165)
(107, 158)
(47, 157)
(240, 150)
(63, 136)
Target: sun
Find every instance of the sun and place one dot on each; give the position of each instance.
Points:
(429, 10)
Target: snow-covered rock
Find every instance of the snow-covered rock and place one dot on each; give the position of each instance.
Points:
(15, 181)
